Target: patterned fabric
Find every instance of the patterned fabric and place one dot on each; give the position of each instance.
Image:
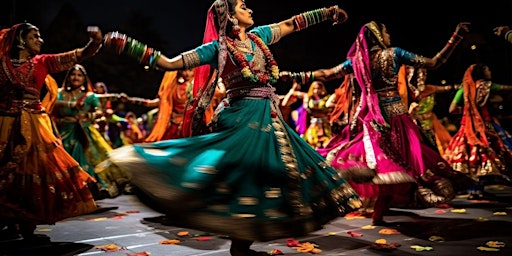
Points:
(39, 181)
(86, 144)
(492, 158)
(252, 178)
(385, 137)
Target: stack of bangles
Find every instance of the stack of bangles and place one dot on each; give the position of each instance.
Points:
(306, 19)
(303, 77)
(123, 44)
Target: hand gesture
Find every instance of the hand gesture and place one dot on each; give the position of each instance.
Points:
(501, 30)
(338, 15)
(464, 26)
(95, 34)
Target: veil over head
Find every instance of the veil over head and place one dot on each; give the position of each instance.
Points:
(360, 58)
(88, 83)
(474, 122)
(205, 76)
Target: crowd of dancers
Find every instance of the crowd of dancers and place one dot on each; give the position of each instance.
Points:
(220, 146)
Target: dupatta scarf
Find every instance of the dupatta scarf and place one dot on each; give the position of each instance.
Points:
(475, 127)
(205, 76)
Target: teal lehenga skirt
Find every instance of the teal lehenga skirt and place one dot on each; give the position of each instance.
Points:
(253, 178)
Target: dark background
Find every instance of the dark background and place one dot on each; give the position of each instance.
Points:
(421, 27)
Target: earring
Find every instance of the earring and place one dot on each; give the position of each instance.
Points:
(235, 28)
(21, 45)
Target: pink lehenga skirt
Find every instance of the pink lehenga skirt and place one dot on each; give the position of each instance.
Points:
(398, 155)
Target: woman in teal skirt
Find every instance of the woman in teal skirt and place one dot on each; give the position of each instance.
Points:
(246, 174)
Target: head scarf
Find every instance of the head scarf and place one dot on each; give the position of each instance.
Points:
(360, 58)
(7, 38)
(205, 77)
(87, 86)
(474, 122)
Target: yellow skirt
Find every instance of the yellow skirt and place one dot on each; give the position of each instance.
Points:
(39, 181)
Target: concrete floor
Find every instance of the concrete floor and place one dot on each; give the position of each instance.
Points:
(131, 228)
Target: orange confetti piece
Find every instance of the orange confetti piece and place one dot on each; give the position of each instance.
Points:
(389, 231)
(117, 218)
(495, 244)
(109, 248)
(183, 233)
(170, 241)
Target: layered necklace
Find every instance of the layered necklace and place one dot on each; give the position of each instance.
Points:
(271, 73)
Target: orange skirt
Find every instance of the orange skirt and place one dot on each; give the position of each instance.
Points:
(39, 181)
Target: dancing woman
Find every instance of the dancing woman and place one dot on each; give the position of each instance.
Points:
(40, 182)
(384, 137)
(251, 177)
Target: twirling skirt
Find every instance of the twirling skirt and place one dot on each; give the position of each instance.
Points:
(253, 178)
(39, 181)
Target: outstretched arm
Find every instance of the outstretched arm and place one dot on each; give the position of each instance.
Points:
(306, 19)
(442, 56)
(323, 75)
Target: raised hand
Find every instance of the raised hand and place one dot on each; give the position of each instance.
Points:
(464, 26)
(95, 34)
(501, 30)
(338, 15)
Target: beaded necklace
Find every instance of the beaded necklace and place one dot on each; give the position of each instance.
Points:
(271, 73)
